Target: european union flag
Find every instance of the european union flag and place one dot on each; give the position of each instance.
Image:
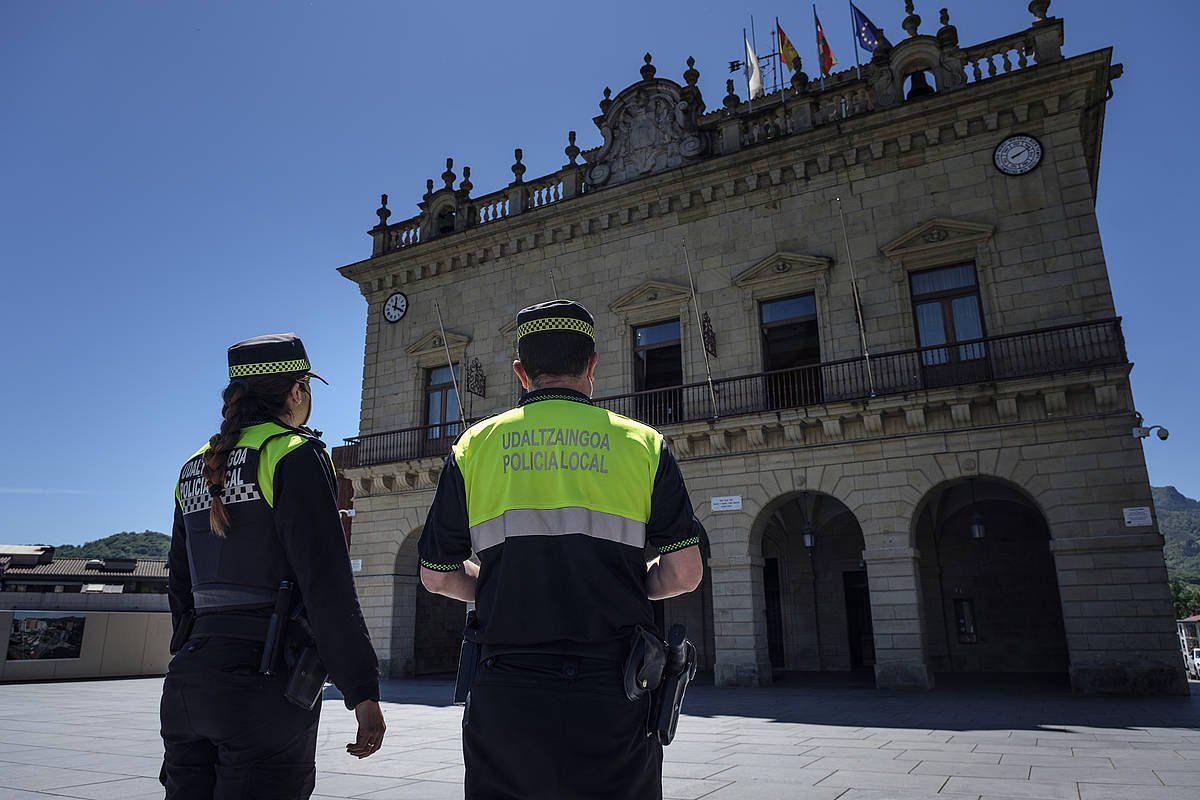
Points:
(865, 33)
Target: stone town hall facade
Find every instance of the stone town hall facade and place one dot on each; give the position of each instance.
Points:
(956, 502)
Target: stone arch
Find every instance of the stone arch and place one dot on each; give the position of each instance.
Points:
(813, 583)
(989, 582)
(426, 628)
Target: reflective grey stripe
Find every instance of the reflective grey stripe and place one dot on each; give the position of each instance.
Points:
(557, 522)
(215, 595)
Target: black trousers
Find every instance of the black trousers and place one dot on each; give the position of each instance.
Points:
(557, 728)
(228, 732)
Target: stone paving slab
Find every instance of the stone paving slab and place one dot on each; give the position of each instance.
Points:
(98, 740)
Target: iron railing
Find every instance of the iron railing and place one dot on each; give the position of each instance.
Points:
(995, 358)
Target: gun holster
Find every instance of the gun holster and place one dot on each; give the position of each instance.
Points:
(183, 631)
(468, 659)
(644, 665)
(668, 701)
(307, 675)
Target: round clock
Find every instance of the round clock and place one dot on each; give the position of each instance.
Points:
(1018, 154)
(395, 308)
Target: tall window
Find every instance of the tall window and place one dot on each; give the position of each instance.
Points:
(947, 311)
(441, 404)
(658, 367)
(789, 332)
(657, 356)
(791, 341)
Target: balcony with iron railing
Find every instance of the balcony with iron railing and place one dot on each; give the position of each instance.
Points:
(1047, 351)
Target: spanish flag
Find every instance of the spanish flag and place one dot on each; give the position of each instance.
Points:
(786, 50)
(824, 51)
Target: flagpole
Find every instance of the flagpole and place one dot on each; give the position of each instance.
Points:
(449, 362)
(854, 34)
(712, 392)
(746, 70)
(817, 34)
(553, 288)
(862, 330)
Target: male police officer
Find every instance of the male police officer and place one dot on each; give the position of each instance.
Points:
(558, 499)
(256, 507)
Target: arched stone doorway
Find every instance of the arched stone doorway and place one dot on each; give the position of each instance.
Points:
(988, 580)
(814, 583)
(426, 627)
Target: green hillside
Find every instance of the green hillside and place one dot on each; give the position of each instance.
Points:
(147, 544)
(1179, 521)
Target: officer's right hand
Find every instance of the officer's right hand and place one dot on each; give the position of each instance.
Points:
(370, 729)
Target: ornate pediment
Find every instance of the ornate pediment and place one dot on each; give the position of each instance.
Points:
(430, 350)
(938, 239)
(786, 271)
(651, 296)
(649, 127)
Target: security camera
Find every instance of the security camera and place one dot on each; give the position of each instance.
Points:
(1163, 433)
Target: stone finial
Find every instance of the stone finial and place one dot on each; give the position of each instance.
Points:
(518, 169)
(571, 149)
(912, 21)
(428, 187)
(947, 35)
(607, 102)
(732, 101)
(382, 212)
(799, 76)
(883, 50)
(691, 75)
(448, 176)
(465, 186)
(1040, 9)
(648, 69)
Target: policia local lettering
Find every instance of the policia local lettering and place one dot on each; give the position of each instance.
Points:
(586, 458)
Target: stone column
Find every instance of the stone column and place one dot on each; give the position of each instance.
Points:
(897, 616)
(739, 622)
(375, 596)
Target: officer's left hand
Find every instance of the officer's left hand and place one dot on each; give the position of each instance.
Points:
(370, 729)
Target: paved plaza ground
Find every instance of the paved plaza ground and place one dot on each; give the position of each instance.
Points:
(98, 740)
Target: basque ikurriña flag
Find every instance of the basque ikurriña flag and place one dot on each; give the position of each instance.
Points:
(866, 33)
(825, 56)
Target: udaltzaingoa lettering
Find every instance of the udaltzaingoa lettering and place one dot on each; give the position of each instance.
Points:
(545, 449)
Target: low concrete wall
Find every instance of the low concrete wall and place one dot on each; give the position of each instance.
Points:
(115, 644)
(80, 601)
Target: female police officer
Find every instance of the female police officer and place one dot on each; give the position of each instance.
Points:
(256, 507)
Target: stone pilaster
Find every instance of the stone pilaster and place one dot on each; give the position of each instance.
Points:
(739, 622)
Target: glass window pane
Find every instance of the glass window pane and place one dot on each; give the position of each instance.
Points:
(440, 375)
(646, 335)
(794, 345)
(931, 332)
(940, 280)
(967, 324)
(435, 408)
(452, 414)
(798, 307)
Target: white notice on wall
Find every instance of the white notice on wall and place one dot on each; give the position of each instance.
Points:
(1137, 516)
(731, 502)
(356, 565)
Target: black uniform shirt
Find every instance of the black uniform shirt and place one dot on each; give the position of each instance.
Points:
(571, 593)
(310, 530)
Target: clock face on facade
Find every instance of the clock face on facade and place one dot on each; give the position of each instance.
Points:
(395, 308)
(1018, 154)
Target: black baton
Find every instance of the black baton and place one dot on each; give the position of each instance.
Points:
(283, 606)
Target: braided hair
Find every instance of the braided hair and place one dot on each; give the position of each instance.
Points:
(246, 402)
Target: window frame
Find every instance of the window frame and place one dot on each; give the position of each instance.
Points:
(945, 299)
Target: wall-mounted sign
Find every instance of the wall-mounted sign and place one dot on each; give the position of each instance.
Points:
(1138, 516)
(356, 565)
(42, 635)
(731, 502)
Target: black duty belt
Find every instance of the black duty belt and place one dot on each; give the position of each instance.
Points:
(231, 626)
(615, 652)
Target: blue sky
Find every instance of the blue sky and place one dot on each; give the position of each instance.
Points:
(178, 176)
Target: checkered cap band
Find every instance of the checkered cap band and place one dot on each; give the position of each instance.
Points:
(269, 368)
(556, 324)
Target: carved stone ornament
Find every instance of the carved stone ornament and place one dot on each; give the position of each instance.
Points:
(476, 381)
(650, 127)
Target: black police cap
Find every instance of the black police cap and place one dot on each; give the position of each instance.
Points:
(555, 316)
(272, 354)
